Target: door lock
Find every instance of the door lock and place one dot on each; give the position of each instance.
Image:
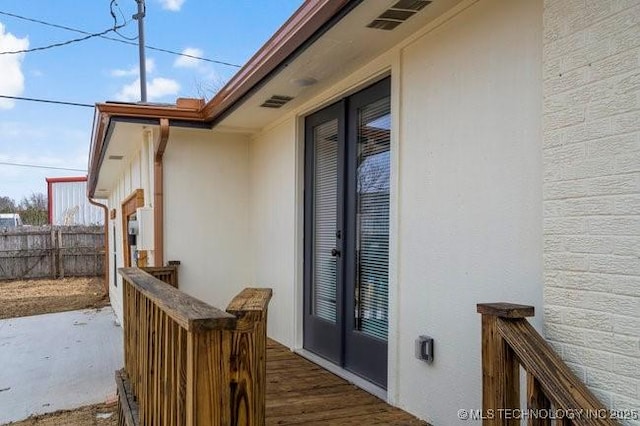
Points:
(335, 252)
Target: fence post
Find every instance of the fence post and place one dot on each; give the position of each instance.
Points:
(54, 272)
(60, 254)
(500, 368)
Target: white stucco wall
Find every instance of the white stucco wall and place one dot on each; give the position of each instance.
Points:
(470, 194)
(272, 223)
(592, 193)
(468, 198)
(206, 212)
(130, 180)
(206, 208)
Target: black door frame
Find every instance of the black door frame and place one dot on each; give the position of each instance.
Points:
(364, 355)
(321, 336)
(340, 343)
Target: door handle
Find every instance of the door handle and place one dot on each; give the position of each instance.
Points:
(335, 252)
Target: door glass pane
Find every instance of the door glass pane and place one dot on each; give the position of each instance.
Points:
(325, 190)
(372, 219)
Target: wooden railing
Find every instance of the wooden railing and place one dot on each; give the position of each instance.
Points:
(188, 363)
(167, 274)
(554, 393)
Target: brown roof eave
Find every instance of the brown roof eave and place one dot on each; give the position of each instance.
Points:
(105, 112)
(150, 111)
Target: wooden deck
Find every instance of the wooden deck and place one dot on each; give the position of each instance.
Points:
(300, 392)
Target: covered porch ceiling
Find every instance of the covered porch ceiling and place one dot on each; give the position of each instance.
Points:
(344, 48)
(125, 138)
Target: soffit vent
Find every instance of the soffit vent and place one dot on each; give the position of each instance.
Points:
(276, 101)
(116, 157)
(397, 14)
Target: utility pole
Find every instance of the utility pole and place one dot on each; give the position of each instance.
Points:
(143, 64)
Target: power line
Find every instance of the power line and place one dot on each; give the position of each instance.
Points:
(38, 166)
(115, 28)
(158, 49)
(48, 101)
(124, 19)
(64, 43)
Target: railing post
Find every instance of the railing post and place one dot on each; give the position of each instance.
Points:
(248, 356)
(500, 368)
(207, 399)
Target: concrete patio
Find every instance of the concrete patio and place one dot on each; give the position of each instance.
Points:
(57, 361)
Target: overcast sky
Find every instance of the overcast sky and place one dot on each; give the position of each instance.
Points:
(97, 70)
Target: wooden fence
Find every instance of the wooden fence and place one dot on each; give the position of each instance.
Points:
(188, 363)
(51, 252)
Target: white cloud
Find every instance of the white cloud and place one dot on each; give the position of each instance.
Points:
(186, 62)
(172, 5)
(157, 88)
(12, 81)
(134, 70)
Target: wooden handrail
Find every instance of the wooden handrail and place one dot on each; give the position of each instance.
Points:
(510, 342)
(189, 312)
(168, 274)
(188, 363)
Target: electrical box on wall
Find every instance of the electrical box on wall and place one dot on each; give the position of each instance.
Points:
(424, 349)
(144, 216)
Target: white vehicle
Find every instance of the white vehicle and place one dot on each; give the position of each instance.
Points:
(9, 221)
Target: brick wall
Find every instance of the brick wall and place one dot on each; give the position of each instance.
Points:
(591, 152)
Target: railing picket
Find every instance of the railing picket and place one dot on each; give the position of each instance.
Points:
(142, 344)
(148, 367)
(537, 402)
(182, 377)
(156, 356)
(165, 375)
(172, 375)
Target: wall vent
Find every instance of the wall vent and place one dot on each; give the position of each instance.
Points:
(397, 14)
(116, 157)
(276, 101)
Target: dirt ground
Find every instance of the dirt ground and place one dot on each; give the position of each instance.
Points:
(94, 415)
(35, 297)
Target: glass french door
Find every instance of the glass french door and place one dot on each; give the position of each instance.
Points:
(347, 147)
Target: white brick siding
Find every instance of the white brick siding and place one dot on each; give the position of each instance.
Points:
(591, 154)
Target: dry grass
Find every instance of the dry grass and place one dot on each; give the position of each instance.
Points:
(35, 297)
(93, 415)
